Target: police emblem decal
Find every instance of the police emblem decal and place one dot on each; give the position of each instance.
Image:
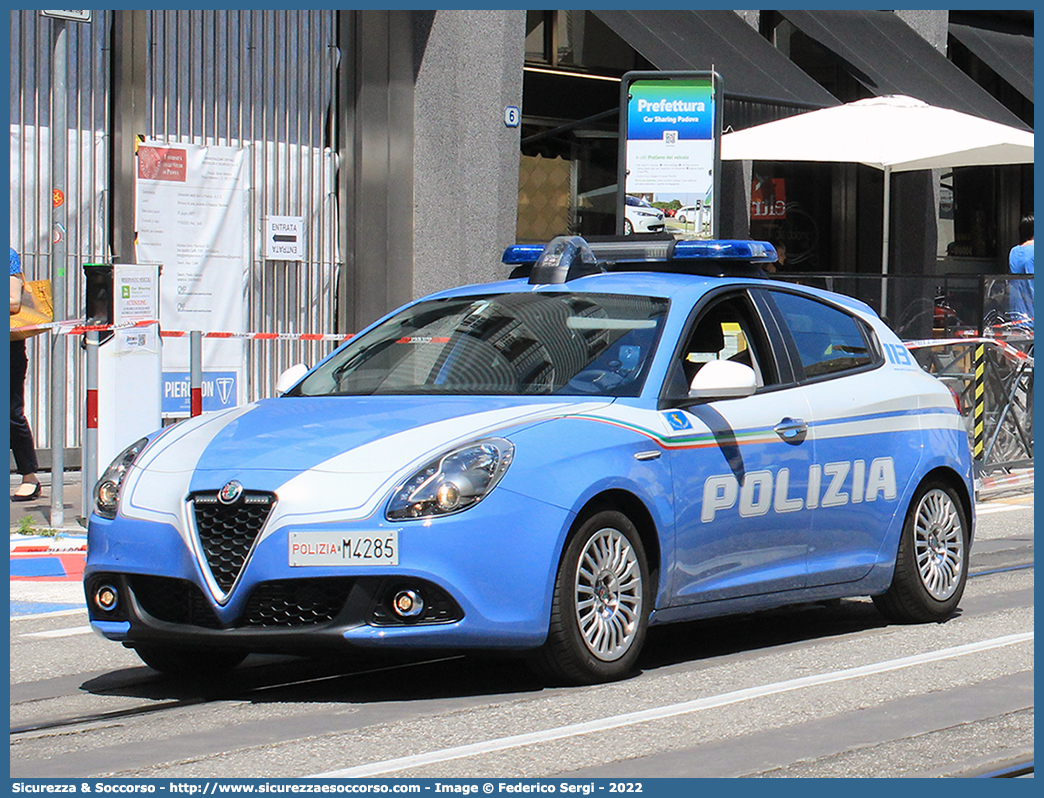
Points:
(677, 420)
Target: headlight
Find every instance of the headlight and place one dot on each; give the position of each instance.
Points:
(107, 490)
(452, 482)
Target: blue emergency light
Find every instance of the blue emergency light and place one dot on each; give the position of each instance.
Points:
(568, 257)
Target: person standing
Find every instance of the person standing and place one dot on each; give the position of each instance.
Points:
(1020, 261)
(22, 444)
(781, 258)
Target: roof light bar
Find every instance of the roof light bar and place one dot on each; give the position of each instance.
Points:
(752, 251)
(564, 259)
(635, 251)
(518, 254)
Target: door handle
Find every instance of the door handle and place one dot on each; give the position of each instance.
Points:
(792, 430)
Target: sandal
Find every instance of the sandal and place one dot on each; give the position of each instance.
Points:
(27, 497)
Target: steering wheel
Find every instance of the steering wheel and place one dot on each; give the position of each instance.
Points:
(595, 381)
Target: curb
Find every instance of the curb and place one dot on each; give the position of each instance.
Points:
(35, 558)
(36, 544)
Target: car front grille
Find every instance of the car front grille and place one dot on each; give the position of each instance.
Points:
(174, 601)
(296, 602)
(227, 531)
(291, 603)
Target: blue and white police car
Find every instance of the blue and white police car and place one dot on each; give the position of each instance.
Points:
(627, 434)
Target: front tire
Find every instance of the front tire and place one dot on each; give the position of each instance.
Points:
(195, 663)
(601, 603)
(931, 567)
(628, 227)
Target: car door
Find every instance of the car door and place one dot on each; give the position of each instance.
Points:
(739, 466)
(863, 431)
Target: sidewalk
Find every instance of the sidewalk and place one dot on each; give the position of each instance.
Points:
(46, 569)
(39, 510)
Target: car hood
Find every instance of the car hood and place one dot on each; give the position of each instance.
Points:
(315, 448)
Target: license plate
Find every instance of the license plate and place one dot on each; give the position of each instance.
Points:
(340, 548)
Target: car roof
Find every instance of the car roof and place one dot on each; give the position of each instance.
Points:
(643, 283)
(578, 266)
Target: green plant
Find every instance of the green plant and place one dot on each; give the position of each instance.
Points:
(27, 527)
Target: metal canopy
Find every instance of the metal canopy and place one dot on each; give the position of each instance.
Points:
(688, 40)
(1007, 54)
(887, 56)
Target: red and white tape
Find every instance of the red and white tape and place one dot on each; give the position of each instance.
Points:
(76, 327)
(256, 336)
(1005, 481)
(1007, 350)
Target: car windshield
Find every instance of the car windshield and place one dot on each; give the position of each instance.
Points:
(507, 344)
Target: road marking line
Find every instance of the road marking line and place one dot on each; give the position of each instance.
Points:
(79, 630)
(1004, 509)
(670, 711)
(54, 614)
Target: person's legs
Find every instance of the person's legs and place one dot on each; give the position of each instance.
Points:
(22, 444)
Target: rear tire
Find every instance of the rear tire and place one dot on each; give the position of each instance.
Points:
(189, 662)
(931, 567)
(600, 608)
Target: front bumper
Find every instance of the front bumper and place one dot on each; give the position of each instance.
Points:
(485, 576)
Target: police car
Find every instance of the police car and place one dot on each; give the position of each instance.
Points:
(625, 434)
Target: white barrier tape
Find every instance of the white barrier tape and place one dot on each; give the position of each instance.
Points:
(1009, 351)
(1007, 481)
(77, 327)
(263, 336)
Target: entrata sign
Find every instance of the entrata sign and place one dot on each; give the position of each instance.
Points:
(284, 238)
(70, 16)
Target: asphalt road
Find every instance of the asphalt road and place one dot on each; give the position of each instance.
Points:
(812, 691)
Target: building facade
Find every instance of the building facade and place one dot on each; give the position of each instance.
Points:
(391, 135)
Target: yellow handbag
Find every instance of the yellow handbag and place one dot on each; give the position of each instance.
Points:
(37, 308)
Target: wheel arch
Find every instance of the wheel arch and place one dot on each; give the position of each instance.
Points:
(630, 505)
(952, 479)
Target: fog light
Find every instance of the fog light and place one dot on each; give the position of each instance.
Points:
(106, 598)
(408, 604)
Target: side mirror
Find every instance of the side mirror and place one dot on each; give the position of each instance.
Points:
(289, 378)
(723, 379)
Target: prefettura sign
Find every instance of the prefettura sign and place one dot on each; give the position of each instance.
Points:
(670, 134)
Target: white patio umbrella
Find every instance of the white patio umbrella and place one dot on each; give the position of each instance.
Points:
(894, 134)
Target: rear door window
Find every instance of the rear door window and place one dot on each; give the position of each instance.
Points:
(827, 341)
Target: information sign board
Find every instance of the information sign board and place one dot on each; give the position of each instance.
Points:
(284, 238)
(70, 16)
(192, 214)
(670, 141)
